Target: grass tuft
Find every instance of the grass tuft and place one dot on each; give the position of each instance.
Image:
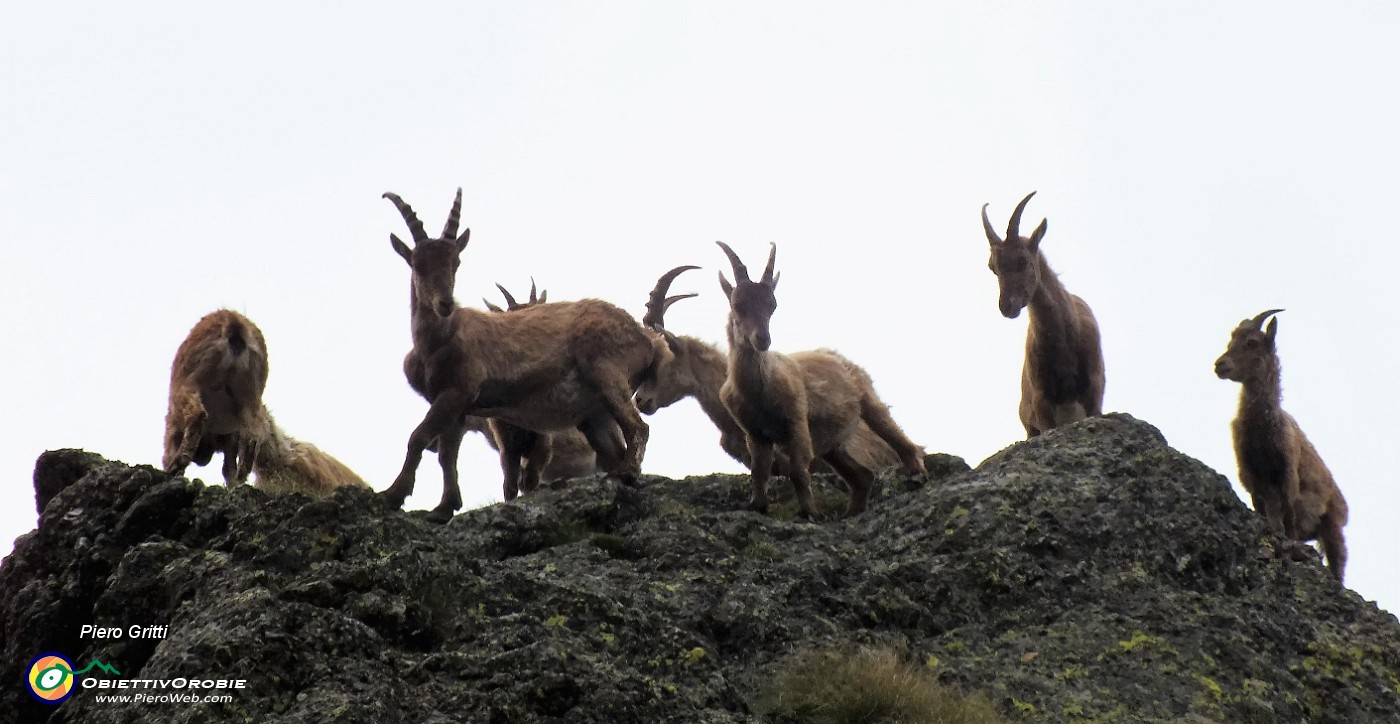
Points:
(868, 686)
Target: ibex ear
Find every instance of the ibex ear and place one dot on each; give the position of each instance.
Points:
(463, 239)
(401, 248)
(1271, 330)
(1038, 234)
(491, 306)
(725, 285)
(774, 284)
(671, 341)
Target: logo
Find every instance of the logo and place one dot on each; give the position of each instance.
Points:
(51, 677)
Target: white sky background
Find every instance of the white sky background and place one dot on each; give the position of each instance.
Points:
(1198, 163)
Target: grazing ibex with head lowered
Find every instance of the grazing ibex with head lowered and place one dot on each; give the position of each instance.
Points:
(808, 404)
(1279, 467)
(1063, 377)
(543, 368)
(697, 369)
(216, 386)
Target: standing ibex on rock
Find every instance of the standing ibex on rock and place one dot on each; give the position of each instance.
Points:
(216, 386)
(698, 369)
(543, 368)
(1063, 377)
(1285, 477)
(808, 404)
(529, 457)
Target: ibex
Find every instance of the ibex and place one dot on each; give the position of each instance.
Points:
(543, 368)
(808, 404)
(528, 457)
(1279, 468)
(1062, 379)
(216, 386)
(698, 369)
(282, 464)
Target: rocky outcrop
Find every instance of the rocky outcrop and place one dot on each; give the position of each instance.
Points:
(1091, 574)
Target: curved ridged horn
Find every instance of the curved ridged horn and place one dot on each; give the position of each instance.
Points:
(741, 272)
(510, 300)
(1013, 229)
(534, 299)
(768, 270)
(1262, 317)
(454, 217)
(992, 237)
(658, 303)
(415, 227)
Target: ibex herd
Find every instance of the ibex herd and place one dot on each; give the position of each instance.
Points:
(559, 388)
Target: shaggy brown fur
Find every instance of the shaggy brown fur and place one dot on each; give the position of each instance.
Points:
(698, 369)
(1063, 377)
(806, 405)
(284, 464)
(543, 368)
(529, 457)
(1279, 467)
(216, 386)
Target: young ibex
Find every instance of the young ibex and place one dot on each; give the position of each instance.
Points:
(543, 368)
(809, 404)
(216, 386)
(698, 369)
(1286, 479)
(1063, 378)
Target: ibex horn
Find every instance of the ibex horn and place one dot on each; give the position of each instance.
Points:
(741, 272)
(658, 303)
(1013, 229)
(1258, 321)
(454, 217)
(415, 227)
(992, 237)
(772, 255)
(510, 300)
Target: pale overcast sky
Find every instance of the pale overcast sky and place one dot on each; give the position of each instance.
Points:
(1199, 163)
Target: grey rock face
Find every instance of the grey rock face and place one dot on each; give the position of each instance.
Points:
(1092, 574)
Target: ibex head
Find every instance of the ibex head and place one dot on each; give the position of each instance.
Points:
(1015, 260)
(434, 261)
(1251, 351)
(751, 304)
(666, 382)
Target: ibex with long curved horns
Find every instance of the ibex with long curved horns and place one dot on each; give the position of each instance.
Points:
(1063, 377)
(808, 404)
(546, 367)
(1280, 469)
(697, 369)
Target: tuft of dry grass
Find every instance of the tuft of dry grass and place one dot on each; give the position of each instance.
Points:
(867, 686)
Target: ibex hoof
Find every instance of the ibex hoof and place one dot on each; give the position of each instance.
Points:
(439, 515)
(759, 506)
(629, 479)
(392, 500)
